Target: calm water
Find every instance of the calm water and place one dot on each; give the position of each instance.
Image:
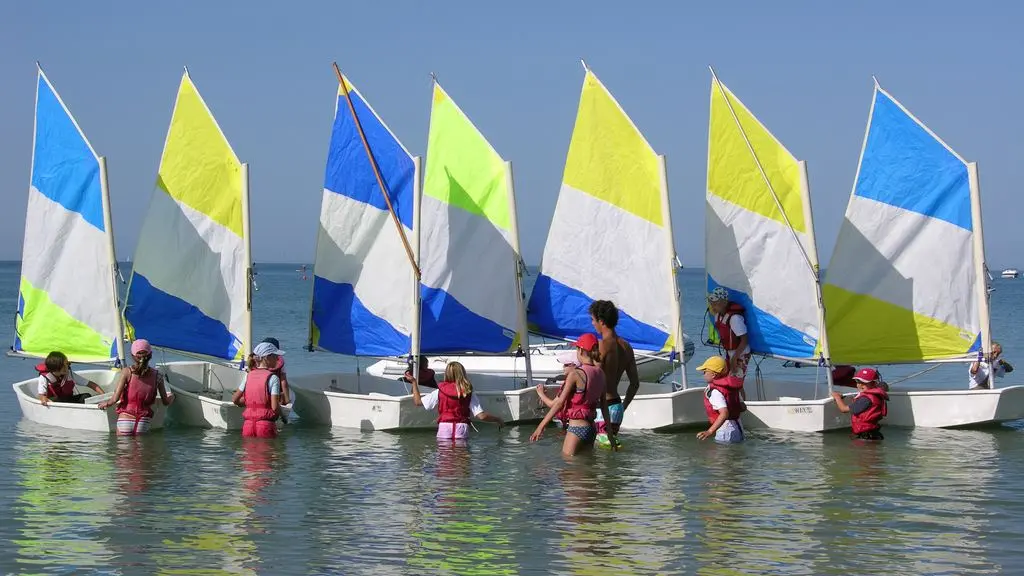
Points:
(322, 501)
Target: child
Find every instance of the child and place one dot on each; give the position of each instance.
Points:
(136, 391)
(455, 403)
(868, 407)
(260, 393)
(426, 376)
(569, 363)
(57, 382)
(722, 401)
(286, 397)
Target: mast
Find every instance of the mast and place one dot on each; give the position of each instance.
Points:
(247, 252)
(812, 256)
(417, 304)
(675, 304)
(524, 333)
(111, 254)
(981, 289)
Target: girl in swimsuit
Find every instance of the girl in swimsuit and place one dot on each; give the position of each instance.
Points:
(582, 394)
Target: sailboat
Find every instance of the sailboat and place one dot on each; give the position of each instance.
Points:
(611, 239)
(68, 299)
(394, 269)
(760, 246)
(907, 279)
(190, 288)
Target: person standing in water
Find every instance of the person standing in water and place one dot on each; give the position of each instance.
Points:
(722, 402)
(455, 403)
(278, 370)
(135, 392)
(617, 358)
(260, 393)
(583, 393)
(868, 407)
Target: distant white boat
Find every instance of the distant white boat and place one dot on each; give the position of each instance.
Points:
(1011, 273)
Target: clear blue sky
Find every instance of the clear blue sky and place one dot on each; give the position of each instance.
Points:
(264, 68)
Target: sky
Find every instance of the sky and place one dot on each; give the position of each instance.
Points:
(804, 69)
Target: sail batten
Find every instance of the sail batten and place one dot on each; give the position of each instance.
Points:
(66, 299)
(758, 231)
(901, 283)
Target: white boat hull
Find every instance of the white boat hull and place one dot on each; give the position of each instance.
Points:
(543, 364)
(791, 406)
(203, 393)
(87, 416)
(954, 408)
(660, 407)
(367, 402)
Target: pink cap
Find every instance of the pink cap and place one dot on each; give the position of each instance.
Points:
(141, 345)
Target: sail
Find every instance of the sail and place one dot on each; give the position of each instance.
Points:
(188, 287)
(607, 239)
(757, 243)
(66, 300)
(363, 281)
(468, 265)
(901, 283)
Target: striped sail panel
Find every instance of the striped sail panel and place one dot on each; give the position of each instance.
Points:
(188, 287)
(363, 281)
(756, 242)
(607, 240)
(468, 265)
(66, 295)
(901, 283)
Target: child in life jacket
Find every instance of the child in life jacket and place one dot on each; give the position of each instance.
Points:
(135, 392)
(722, 401)
(730, 328)
(260, 393)
(868, 407)
(57, 382)
(286, 395)
(581, 396)
(455, 403)
(569, 363)
(426, 378)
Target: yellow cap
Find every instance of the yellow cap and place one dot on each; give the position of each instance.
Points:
(714, 364)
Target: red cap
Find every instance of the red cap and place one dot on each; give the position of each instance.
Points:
(866, 375)
(586, 341)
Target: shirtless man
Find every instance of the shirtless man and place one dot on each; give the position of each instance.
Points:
(617, 358)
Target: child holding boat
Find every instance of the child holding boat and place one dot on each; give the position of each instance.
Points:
(260, 393)
(57, 382)
(569, 363)
(278, 370)
(582, 394)
(868, 407)
(722, 401)
(136, 391)
(455, 403)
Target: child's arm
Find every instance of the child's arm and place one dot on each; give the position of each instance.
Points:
(569, 388)
(162, 389)
(286, 396)
(119, 388)
(236, 398)
(94, 386)
(416, 400)
(838, 397)
(723, 415)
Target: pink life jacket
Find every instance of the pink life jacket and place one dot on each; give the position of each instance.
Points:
(257, 395)
(730, 341)
(450, 406)
(139, 395)
(868, 419)
(730, 387)
(63, 388)
(584, 401)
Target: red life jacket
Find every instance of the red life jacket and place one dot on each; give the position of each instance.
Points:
(139, 395)
(730, 341)
(278, 371)
(450, 406)
(62, 388)
(584, 401)
(257, 395)
(868, 419)
(730, 387)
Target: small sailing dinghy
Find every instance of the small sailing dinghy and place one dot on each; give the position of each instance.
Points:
(611, 239)
(68, 298)
(369, 278)
(190, 287)
(760, 247)
(907, 279)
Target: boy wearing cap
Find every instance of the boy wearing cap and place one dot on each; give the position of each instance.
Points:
(722, 402)
(868, 407)
(260, 393)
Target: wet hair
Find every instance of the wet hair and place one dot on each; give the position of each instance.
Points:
(456, 372)
(605, 312)
(272, 341)
(55, 361)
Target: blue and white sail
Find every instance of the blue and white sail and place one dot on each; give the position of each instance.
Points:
(363, 281)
